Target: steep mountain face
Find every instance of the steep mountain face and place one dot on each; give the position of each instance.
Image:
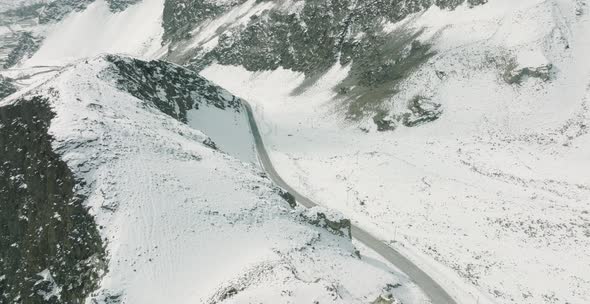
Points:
(180, 17)
(109, 193)
(121, 5)
(24, 27)
(189, 98)
(57, 10)
(310, 37)
(25, 46)
(173, 89)
(50, 248)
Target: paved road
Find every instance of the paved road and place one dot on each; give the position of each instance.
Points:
(434, 291)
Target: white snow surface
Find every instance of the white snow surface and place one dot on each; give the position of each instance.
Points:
(493, 198)
(136, 31)
(184, 223)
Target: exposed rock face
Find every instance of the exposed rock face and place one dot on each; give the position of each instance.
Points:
(383, 300)
(319, 35)
(378, 67)
(421, 110)
(50, 248)
(516, 75)
(24, 12)
(172, 89)
(384, 122)
(327, 219)
(309, 39)
(127, 156)
(6, 87)
(180, 16)
(288, 197)
(20, 43)
(26, 46)
(121, 5)
(53, 11)
(57, 10)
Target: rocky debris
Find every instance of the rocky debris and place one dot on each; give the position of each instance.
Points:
(421, 110)
(50, 247)
(6, 87)
(328, 219)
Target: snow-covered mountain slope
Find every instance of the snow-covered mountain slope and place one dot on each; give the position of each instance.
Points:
(480, 177)
(61, 31)
(135, 31)
(143, 206)
(492, 198)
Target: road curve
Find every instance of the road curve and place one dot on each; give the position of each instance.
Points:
(432, 289)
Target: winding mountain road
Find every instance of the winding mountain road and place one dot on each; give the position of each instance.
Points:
(432, 289)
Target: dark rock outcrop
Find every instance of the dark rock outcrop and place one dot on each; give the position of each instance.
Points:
(6, 87)
(172, 89)
(288, 197)
(26, 46)
(121, 5)
(59, 9)
(50, 247)
(516, 75)
(333, 223)
(421, 110)
(383, 122)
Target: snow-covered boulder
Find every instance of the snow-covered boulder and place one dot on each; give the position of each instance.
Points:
(528, 64)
